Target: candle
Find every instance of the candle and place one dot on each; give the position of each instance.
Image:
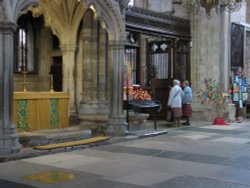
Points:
(51, 83)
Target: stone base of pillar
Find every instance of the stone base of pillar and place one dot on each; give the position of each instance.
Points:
(116, 128)
(73, 119)
(94, 107)
(9, 142)
(93, 118)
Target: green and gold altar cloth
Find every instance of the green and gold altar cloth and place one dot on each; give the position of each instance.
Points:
(41, 110)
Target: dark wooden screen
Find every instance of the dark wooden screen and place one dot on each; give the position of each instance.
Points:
(159, 72)
(182, 64)
(237, 46)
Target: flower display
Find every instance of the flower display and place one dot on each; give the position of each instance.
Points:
(210, 93)
(137, 93)
(140, 94)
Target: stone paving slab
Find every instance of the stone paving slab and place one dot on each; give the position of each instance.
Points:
(209, 130)
(146, 177)
(232, 140)
(197, 182)
(186, 157)
(242, 162)
(235, 175)
(10, 184)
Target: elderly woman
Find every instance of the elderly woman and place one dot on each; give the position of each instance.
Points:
(187, 100)
(175, 101)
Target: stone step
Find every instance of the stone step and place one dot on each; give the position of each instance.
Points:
(52, 136)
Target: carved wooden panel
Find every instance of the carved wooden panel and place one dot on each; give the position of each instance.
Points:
(146, 21)
(237, 46)
(181, 68)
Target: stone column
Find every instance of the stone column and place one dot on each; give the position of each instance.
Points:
(94, 63)
(86, 65)
(225, 53)
(103, 71)
(8, 136)
(117, 124)
(68, 53)
(95, 73)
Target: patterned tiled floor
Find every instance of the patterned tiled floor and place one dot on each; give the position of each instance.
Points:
(188, 157)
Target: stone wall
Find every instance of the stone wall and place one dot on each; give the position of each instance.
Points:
(41, 80)
(248, 12)
(247, 55)
(155, 5)
(206, 48)
(210, 50)
(240, 15)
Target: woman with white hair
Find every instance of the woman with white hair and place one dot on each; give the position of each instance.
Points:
(187, 100)
(175, 101)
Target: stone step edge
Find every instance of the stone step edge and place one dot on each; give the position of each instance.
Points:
(72, 143)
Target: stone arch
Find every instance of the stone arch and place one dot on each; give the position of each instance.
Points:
(108, 12)
(15, 8)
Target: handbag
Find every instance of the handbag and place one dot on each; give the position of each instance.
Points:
(169, 115)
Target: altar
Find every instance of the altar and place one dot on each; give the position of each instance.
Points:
(41, 110)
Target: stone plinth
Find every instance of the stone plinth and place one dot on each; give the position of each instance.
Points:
(137, 121)
(231, 112)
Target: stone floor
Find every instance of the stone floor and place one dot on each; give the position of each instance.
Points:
(197, 156)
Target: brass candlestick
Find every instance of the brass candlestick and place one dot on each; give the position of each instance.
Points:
(51, 83)
(24, 72)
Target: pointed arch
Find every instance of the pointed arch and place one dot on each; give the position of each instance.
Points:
(15, 8)
(108, 12)
(66, 18)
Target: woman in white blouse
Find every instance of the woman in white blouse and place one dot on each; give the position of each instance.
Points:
(175, 101)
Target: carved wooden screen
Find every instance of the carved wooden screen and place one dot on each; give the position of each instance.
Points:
(159, 72)
(182, 61)
(237, 46)
(159, 66)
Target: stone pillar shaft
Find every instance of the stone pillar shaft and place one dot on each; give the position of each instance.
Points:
(8, 136)
(225, 53)
(117, 123)
(103, 72)
(94, 63)
(86, 61)
(95, 73)
(68, 53)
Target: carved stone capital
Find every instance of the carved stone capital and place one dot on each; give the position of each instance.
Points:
(2, 15)
(36, 11)
(68, 47)
(7, 27)
(117, 44)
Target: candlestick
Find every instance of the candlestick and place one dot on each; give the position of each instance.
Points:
(51, 83)
(24, 72)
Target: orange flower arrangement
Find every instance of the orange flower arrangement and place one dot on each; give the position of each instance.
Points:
(137, 93)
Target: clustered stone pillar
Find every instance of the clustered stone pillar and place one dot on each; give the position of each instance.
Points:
(103, 68)
(9, 139)
(95, 74)
(86, 72)
(68, 53)
(117, 124)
